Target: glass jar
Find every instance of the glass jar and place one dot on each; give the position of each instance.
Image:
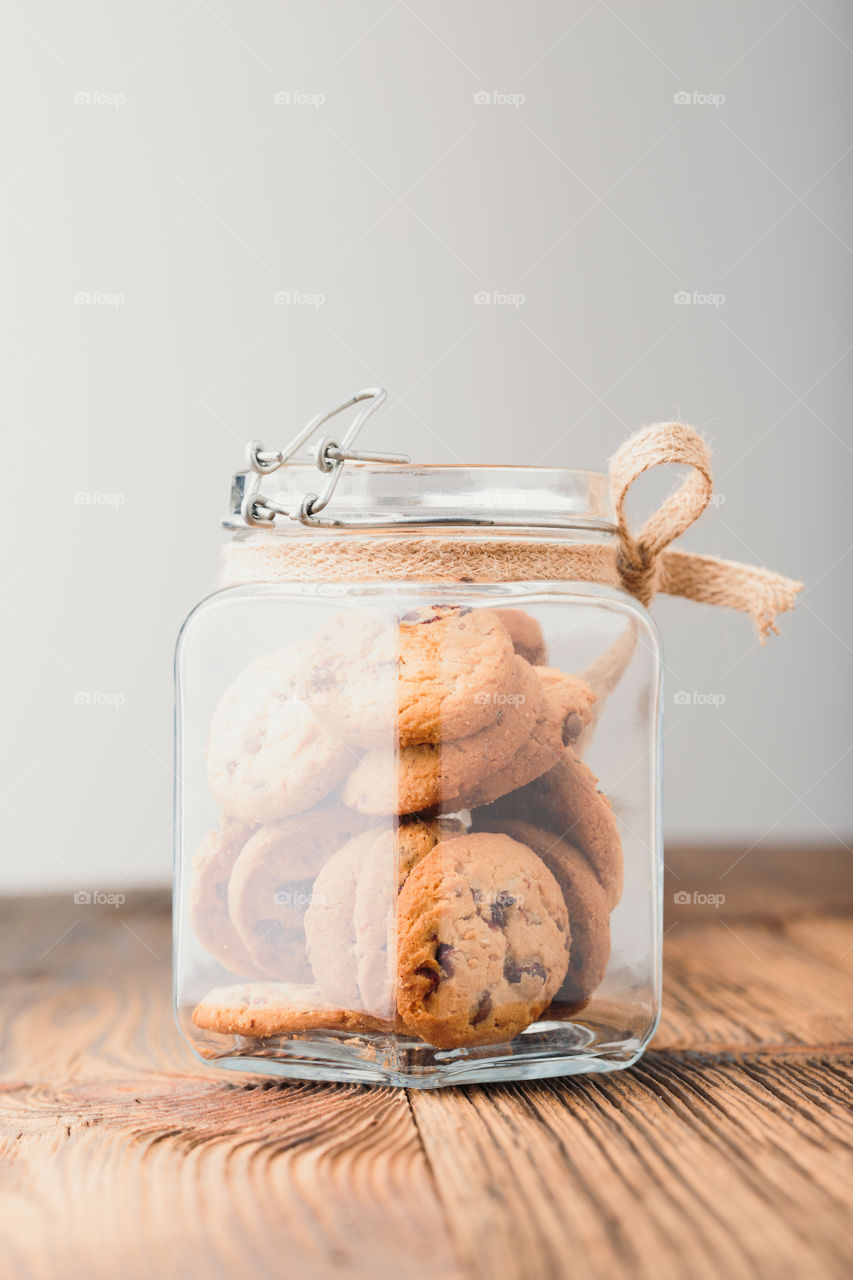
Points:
(418, 835)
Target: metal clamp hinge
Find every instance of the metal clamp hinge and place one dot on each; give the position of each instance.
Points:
(329, 457)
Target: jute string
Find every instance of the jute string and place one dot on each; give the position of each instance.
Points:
(642, 563)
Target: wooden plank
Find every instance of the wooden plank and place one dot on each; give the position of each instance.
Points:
(734, 984)
(86, 989)
(180, 1177)
(119, 1154)
(685, 1166)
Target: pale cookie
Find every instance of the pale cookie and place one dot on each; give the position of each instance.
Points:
(349, 676)
(525, 634)
(438, 677)
(589, 918)
(210, 872)
(568, 800)
(272, 883)
(483, 942)
(387, 864)
(434, 776)
(329, 929)
(267, 757)
(262, 1009)
(347, 925)
(565, 709)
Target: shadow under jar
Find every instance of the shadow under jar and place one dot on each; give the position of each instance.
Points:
(418, 787)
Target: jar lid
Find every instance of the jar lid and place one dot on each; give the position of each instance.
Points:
(379, 496)
(380, 491)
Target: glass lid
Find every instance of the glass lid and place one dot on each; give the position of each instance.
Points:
(382, 494)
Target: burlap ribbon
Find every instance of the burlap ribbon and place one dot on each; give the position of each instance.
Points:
(641, 563)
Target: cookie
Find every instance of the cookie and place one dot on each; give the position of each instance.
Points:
(434, 776)
(525, 634)
(387, 864)
(267, 757)
(483, 941)
(351, 915)
(565, 709)
(349, 677)
(329, 929)
(589, 918)
(263, 1009)
(210, 872)
(272, 883)
(439, 676)
(567, 799)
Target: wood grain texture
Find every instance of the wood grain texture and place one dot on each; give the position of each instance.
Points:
(726, 1151)
(682, 1167)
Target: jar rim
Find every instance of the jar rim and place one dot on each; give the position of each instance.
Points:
(387, 495)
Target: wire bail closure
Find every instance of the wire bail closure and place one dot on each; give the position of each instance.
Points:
(329, 456)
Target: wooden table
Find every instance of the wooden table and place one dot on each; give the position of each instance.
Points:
(725, 1152)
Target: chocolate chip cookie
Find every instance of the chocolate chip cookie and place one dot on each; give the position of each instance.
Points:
(272, 883)
(525, 634)
(437, 676)
(263, 1009)
(568, 801)
(435, 775)
(589, 918)
(267, 757)
(565, 708)
(483, 941)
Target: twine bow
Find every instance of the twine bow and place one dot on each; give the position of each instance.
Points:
(645, 562)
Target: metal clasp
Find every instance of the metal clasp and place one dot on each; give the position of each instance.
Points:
(329, 456)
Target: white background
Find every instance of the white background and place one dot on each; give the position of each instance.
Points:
(182, 198)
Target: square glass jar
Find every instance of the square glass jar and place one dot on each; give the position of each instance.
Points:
(417, 836)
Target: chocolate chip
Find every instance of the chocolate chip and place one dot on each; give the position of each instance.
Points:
(572, 726)
(514, 972)
(431, 976)
(497, 919)
(484, 1008)
(443, 954)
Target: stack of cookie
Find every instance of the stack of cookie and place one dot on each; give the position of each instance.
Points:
(409, 841)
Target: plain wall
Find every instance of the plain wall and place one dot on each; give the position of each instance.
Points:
(147, 165)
